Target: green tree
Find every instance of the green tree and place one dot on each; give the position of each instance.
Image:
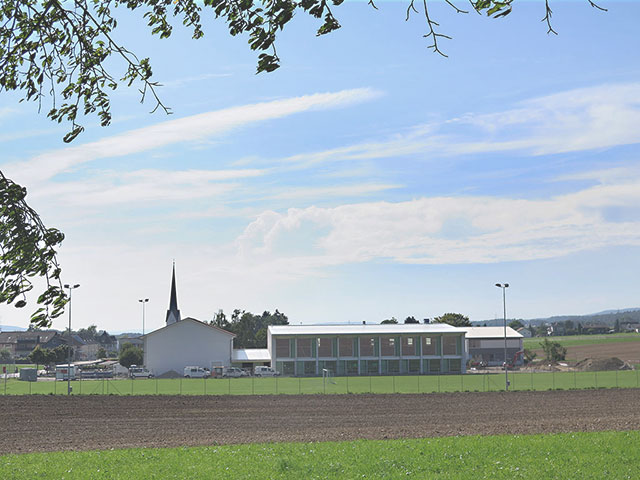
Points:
(553, 351)
(219, 320)
(411, 319)
(516, 324)
(391, 320)
(251, 330)
(102, 353)
(62, 353)
(89, 334)
(130, 355)
(529, 356)
(5, 355)
(455, 319)
(39, 356)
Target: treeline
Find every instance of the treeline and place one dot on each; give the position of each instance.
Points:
(250, 329)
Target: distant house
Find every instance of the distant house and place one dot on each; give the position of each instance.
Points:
(135, 341)
(596, 328)
(108, 342)
(21, 344)
(525, 332)
(630, 327)
(486, 345)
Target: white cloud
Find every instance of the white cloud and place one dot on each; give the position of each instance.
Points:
(188, 129)
(143, 186)
(575, 120)
(447, 230)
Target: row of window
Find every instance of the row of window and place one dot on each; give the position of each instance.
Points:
(370, 367)
(369, 346)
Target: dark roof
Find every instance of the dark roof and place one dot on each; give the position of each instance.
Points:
(40, 337)
(173, 313)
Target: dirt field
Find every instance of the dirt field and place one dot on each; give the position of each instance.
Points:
(626, 351)
(48, 423)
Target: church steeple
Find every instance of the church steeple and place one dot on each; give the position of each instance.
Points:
(173, 314)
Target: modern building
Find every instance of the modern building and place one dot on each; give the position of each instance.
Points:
(486, 345)
(367, 349)
(21, 344)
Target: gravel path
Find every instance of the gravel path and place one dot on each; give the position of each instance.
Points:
(52, 423)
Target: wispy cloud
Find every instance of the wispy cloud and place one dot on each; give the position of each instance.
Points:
(188, 129)
(575, 120)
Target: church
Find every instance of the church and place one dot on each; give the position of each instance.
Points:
(187, 341)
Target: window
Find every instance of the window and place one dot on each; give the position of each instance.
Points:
(450, 345)
(430, 345)
(391, 366)
(388, 347)
(326, 347)
(431, 366)
(309, 368)
(330, 365)
(368, 367)
(368, 347)
(286, 368)
(304, 347)
(346, 347)
(409, 346)
(283, 349)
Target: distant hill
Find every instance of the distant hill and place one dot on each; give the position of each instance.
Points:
(11, 328)
(607, 317)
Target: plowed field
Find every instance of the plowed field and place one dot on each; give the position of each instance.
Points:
(51, 423)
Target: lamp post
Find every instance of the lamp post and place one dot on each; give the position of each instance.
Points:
(70, 288)
(143, 301)
(504, 287)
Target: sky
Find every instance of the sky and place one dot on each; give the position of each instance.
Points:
(366, 178)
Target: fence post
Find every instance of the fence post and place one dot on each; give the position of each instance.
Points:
(532, 379)
(438, 382)
(276, 385)
(393, 382)
(80, 384)
(419, 389)
(370, 391)
(595, 374)
(461, 382)
(553, 379)
(204, 385)
(637, 379)
(156, 385)
(180, 385)
(347, 383)
(616, 378)
(229, 385)
(55, 386)
(30, 387)
(253, 385)
(575, 383)
(131, 385)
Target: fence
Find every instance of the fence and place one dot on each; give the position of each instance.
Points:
(479, 382)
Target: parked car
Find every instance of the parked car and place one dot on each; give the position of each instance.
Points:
(196, 372)
(262, 371)
(139, 372)
(234, 372)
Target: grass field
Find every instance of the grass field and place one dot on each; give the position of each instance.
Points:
(559, 456)
(287, 385)
(577, 340)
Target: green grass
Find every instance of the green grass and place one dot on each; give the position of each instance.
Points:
(577, 340)
(287, 385)
(558, 456)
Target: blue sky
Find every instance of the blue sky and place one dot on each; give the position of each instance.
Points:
(366, 178)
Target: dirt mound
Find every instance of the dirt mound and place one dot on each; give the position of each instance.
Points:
(170, 374)
(600, 364)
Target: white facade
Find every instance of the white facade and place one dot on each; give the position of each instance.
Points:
(188, 342)
(487, 344)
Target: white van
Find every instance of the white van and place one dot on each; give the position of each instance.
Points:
(196, 372)
(262, 371)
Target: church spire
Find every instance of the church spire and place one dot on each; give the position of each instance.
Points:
(173, 314)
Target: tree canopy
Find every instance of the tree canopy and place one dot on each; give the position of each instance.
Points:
(250, 329)
(455, 319)
(130, 355)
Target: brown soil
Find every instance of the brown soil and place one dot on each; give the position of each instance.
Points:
(50, 423)
(626, 351)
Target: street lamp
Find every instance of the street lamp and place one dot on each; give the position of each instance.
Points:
(143, 301)
(504, 287)
(70, 288)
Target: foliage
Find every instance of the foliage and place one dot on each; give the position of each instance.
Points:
(411, 319)
(516, 324)
(250, 329)
(455, 319)
(61, 354)
(529, 356)
(28, 249)
(584, 455)
(5, 355)
(39, 356)
(553, 351)
(130, 355)
(89, 334)
(102, 353)
(391, 320)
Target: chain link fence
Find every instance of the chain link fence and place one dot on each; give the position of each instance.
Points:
(475, 382)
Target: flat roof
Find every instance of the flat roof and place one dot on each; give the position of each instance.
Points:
(490, 332)
(250, 355)
(364, 329)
